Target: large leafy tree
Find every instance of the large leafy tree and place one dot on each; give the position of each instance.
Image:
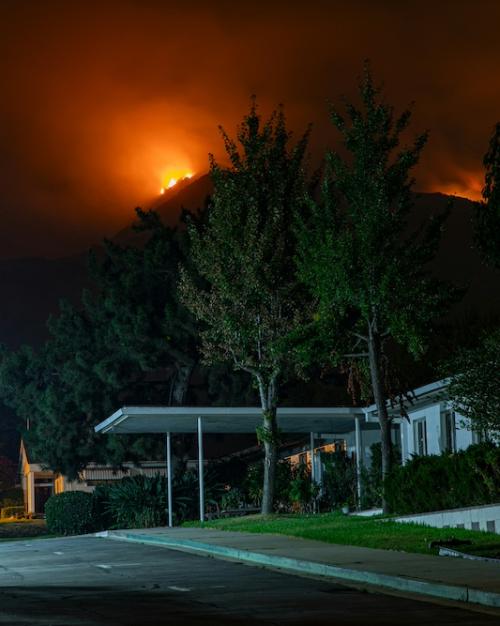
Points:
(130, 340)
(487, 212)
(58, 394)
(244, 289)
(474, 385)
(358, 256)
(137, 310)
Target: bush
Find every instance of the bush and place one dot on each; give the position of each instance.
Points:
(12, 497)
(70, 513)
(141, 501)
(136, 502)
(431, 483)
(371, 477)
(255, 478)
(339, 480)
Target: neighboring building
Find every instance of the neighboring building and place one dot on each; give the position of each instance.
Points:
(39, 484)
(431, 425)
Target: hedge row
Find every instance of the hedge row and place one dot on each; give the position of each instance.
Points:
(432, 483)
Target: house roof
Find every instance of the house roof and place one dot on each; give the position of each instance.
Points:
(420, 397)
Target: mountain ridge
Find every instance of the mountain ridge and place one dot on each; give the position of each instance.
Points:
(33, 286)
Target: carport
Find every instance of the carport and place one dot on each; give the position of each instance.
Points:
(241, 420)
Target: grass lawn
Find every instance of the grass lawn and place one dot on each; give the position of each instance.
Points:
(359, 531)
(23, 529)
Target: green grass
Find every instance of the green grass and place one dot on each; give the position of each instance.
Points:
(357, 531)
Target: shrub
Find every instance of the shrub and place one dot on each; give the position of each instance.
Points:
(302, 491)
(431, 483)
(70, 513)
(141, 501)
(136, 502)
(339, 480)
(233, 498)
(12, 497)
(254, 480)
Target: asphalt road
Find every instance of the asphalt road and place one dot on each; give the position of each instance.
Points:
(86, 581)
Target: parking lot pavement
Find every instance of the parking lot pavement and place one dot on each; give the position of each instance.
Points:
(88, 581)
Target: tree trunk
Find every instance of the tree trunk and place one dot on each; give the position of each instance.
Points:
(270, 460)
(374, 353)
(181, 443)
(269, 439)
(181, 384)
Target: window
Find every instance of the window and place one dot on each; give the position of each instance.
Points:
(420, 436)
(449, 430)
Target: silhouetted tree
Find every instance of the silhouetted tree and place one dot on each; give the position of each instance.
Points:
(130, 340)
(368, 273)
(487, 212)
(245, 292)
(475, 383)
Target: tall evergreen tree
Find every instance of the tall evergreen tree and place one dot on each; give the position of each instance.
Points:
(131, 340)
(368, 272)
(245, 291)
(487, 212)
(142, 318)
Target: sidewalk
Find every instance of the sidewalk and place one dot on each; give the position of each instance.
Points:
(443, 577)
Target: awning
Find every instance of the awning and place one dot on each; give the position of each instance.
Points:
(163, 419)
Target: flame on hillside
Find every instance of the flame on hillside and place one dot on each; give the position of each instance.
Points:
(171, 181)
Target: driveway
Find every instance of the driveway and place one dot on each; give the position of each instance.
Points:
(88, 581)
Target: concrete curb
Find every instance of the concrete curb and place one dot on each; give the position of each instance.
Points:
(409, 585)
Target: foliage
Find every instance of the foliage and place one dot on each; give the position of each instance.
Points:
(144, 324)
(141, 501)
(474, 386)
(302, 491)
(232, 498)
(487, 212)
(137, 502)
(371, 477)
(431, 483)
(8, 473)
(243, 287)
(349, 530)
(339, 480)
(70, 513)
(365, 267)
(293, 485)
(12, 497)
(130, 340)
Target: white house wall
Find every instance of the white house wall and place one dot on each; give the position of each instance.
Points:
(435, 435)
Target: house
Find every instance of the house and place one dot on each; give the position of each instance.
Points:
(39, 483)
(431, 425)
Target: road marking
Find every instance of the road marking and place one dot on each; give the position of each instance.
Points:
(59, 553)
(174, 588)
(104, 566)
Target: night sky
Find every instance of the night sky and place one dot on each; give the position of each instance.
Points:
(102, 101)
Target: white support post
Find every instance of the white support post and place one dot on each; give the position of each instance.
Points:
(200, 471)
(359, 460)
(313, 468)
(402, 426)
(169, 480)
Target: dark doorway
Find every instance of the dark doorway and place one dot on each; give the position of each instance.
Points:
(42, 494)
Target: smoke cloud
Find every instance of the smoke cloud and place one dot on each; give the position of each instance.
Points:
(103, 100)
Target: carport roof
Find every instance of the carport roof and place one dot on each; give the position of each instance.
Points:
(162, 419)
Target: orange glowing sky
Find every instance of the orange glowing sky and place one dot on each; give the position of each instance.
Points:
(103, 102)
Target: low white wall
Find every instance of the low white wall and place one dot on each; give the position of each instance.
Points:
(473, 518)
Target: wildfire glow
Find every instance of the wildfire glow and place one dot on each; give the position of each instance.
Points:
(171, 181)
